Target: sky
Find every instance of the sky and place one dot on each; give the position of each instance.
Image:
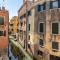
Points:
(12, 6)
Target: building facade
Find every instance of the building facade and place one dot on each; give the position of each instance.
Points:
(4, 19)
(43, 28)
(14, 25)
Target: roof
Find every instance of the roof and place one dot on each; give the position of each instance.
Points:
(29, 2)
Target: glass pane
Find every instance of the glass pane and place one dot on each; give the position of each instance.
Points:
(29, 27)
(4, 33)
(41, 42)
(54, 28)
(41, 27)
(55, 45)
(1, 33)
(42, 7)
(40, 53)
(39, 8)
(1, 21)
(55, 4)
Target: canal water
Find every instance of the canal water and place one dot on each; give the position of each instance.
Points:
(11, 57)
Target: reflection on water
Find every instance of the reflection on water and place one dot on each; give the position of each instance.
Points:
(11, 57)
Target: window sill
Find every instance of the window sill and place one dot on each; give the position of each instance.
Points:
(55, 50)
(49, 9)
(42, 11)
(54, 8)
(41, 32)
(55, 34)
(41, 46)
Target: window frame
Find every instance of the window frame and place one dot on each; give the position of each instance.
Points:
(51, 4)
(42, 7)
(40, 44)
(4, 20)
(58, 28)
(2, 32)
(40, 53)
(21, 17)
(38, 7)
(54, 48)
(43, 27)
(29, 13)
(29, 27)
(58, 3)
(55, 3)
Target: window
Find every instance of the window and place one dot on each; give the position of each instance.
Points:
(29, 37)
(39, 8)
(41, 27)
(11, 24)
(28, 45)
(44, 6)
(12, 29)
(58, 3)
(1, 21)
(53, 4)
(21, 23)
(4, 33)
(53, 57)
(40, 53)
(20, 30)
(55, 28)
(1, 33)
(24, 15)
(29, 13)
(41, 42)
(55, 45)
(21, 17)
(29, 27)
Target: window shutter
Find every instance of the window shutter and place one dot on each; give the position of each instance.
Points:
(39, 8)
(58, 3)
(51, 5)
(44, 6)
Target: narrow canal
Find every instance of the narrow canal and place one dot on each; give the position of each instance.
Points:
(11, 57)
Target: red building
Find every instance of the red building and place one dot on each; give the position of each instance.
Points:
(4, 19)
